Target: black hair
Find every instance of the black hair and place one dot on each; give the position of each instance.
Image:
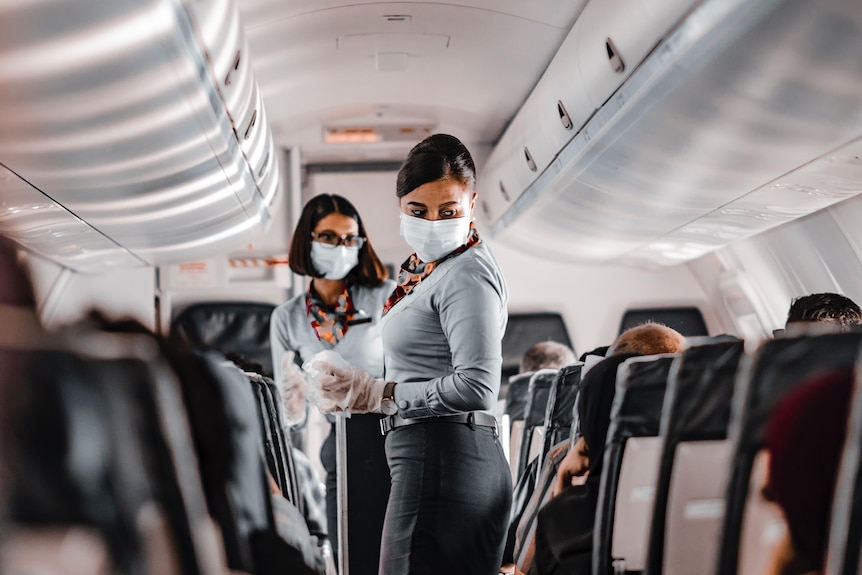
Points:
(825, 307)
(437, 157)
(370, 271)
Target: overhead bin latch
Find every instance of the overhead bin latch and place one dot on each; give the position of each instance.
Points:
(614, 56)
(504, 192)
(531, 163)
(227, 78)
(564, 116)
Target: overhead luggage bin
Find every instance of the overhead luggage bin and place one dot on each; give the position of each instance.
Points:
(119, 114)
(614, 38)
(552, 114)
(725, 129)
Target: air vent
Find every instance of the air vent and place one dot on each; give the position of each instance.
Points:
(531, 163)
(614, 56)
(564, 116)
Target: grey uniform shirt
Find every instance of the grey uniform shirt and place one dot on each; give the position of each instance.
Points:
(442, 343)
(290, 330)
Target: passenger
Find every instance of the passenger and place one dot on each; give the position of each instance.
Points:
(828, 308)
(442, 336)
(542, 355)
(564, 530)
(340, 311)
(565, 525)
(546, 355)
(804, 438)
(646, 339)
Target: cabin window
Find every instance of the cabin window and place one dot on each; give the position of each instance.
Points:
(525, 329)
(686, 320)
(238, 327)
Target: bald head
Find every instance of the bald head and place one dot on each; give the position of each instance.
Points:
(648, 339)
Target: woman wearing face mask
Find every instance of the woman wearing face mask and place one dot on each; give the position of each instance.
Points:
(340, 311)
(442, 332)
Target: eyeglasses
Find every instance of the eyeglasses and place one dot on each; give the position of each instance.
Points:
(333, 240)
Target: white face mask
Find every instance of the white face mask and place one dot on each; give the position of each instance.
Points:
(431, 240)
(334, 262)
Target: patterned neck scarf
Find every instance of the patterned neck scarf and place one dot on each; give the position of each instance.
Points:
(329, 323)
(414, 270)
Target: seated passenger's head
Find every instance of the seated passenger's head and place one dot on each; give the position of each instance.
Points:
(824, 308)
(546, 355)
(804, 438)
(648, 339)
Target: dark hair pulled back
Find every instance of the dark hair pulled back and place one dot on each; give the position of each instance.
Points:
(437, 157)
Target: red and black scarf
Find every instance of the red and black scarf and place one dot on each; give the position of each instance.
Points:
(330, 323)
(414, 270)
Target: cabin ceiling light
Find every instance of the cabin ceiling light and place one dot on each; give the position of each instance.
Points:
(370, 134)
(350, 135)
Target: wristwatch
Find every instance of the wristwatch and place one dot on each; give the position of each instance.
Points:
(387, 404)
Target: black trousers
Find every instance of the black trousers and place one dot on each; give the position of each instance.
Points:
(450, 499)
(367, 491)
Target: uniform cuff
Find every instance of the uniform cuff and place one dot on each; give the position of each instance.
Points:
(411, 401)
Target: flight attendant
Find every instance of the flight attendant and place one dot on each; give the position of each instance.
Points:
(340, 311)
(442, 333)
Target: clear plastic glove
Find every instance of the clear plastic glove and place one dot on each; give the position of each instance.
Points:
(293, 390)
(317, 368)
(337, 387)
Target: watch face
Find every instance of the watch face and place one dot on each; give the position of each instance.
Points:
(388, 407)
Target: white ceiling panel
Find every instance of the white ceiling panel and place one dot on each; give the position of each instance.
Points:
(467, 66)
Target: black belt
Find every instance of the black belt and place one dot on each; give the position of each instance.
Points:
(472, 419)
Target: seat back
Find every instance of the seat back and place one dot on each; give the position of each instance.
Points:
(538, 392)
(634, 503)
(277, 445)
(559, 412)
(695, 417)
(225, 423)
(636, 412)
(845, 530)
(764, 378)
(694, 508)
(111, 446)
(238, 327)
(762, 525)
(515, 406)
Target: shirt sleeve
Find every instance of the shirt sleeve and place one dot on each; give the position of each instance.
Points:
(279, 341)
(472, 310)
